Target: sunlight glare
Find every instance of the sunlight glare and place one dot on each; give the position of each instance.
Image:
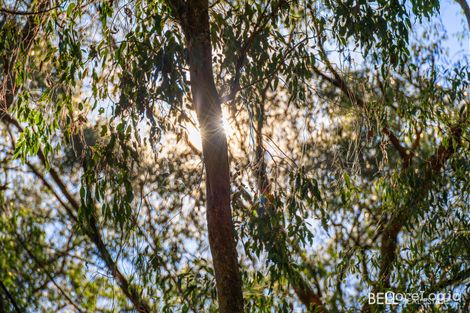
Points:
(194, 136)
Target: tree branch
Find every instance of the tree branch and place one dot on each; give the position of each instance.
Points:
(10, 297)
(51, 189)
(9, 90)
(390, 232)
(434, 165)
(41, 11)
(49, 275)
(458, 278)
(259, 26)
(300, 284)
(466, 10)
(28, 34)
(356, 99)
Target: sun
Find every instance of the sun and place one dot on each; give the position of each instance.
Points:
(194, 135)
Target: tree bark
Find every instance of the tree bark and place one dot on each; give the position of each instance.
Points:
(194, 19)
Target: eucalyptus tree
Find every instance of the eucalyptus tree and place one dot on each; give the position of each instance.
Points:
(106, 85)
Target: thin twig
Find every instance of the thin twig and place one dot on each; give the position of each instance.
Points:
(10, 297)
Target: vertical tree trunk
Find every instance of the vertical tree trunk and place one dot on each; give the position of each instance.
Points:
(195, 21)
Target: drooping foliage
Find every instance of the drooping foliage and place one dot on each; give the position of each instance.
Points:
(347, 127)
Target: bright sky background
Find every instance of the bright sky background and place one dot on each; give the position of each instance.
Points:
(454, 21)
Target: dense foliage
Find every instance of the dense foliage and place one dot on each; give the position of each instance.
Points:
(347, 127)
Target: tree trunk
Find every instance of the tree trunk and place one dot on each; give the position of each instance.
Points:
(195, 22)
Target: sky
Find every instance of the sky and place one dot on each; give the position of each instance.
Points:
(454, 21)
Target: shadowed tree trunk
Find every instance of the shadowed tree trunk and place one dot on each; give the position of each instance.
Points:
(194, 19)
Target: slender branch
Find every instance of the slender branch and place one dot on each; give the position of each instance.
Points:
(27, 35)
(93, 231)
(231, 95)
(466, 10)
(388, 249)
(396, 143)
(52, 190)
(48, 274)
(415, 144)
(300, 284)
(10, 297)
(263, 20)
(14, 12)
(458, 278)
(338, 81)
(95, 235)
(434, 165)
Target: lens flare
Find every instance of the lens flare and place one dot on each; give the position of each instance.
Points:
(194, 135)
